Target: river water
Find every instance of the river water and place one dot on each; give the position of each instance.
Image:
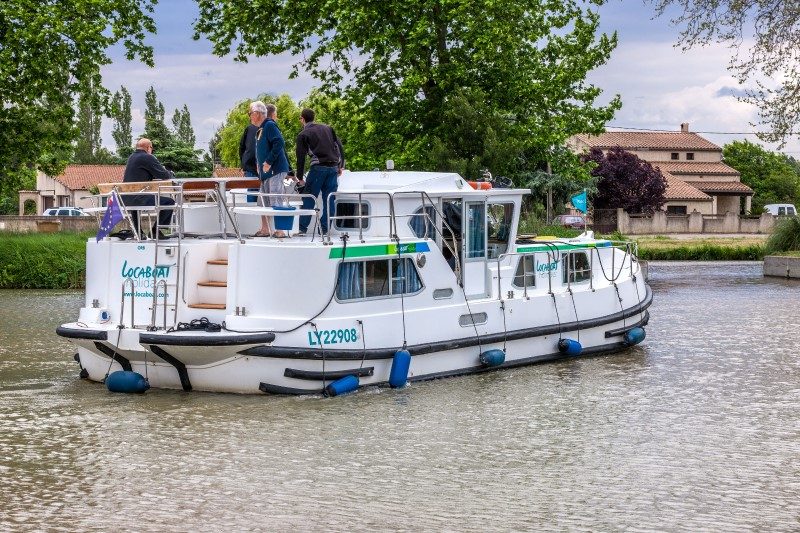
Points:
(696, 429)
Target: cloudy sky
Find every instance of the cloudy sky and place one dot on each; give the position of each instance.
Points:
(660, 85)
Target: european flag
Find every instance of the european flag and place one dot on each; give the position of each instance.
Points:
(579, 201)
(111, 217)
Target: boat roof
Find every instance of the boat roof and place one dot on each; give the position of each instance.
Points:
(433, 183)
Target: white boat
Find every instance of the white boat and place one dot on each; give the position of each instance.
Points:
(418, 261)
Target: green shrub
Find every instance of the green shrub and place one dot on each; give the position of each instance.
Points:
(703, 252)
(43, 260)
(785, 237)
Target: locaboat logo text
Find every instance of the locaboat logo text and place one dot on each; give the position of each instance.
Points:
(144, 277)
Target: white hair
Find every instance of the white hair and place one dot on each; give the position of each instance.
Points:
(258, 107)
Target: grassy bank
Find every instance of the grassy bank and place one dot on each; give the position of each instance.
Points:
(43, 260)
(706, 249)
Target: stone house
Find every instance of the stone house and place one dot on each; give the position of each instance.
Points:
(69, 188)
(697, 179)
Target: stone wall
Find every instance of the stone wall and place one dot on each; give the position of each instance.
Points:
(661, 223)
(29, 224)
(782, 266)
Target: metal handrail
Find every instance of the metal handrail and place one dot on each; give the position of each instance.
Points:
(122, 304)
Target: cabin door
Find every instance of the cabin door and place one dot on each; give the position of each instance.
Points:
(476, 283)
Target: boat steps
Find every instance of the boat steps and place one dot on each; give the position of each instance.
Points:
(207, 306)
(213, 284)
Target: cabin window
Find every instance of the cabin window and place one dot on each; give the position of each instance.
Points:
(674, 156)
(442, 294)
(348, 210)
(676, 209)
(423, 222)
(499, 219)
(576, 267)
(473, 319)
(690, 156)
(525, 276)
(379, 278)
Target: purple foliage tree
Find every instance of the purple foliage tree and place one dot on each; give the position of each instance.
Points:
(626, 181)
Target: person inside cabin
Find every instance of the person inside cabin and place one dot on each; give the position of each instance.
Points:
(327, 163)
(143, 166)
(271, 160)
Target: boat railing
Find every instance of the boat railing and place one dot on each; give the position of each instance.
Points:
(565, 257)
(425, 201)
(125, 283)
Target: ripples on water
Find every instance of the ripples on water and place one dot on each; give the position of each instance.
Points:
(697, 429)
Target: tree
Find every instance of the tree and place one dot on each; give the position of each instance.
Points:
(122, 132)
(88, 145)
(237, 120)
(772, 176)
(182, 126)
(626, 181)
(155, 128)
(525, 60)
(772, 26)
(50, 53)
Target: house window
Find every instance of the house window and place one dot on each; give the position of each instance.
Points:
(351, 220)
(674, 156)
(525, 277)
(690, 156)
(380, 278)
(576, 267)
(676, 210)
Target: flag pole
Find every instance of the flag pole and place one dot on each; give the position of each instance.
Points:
(586, 214)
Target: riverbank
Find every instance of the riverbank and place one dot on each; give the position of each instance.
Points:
(43, 260)
(58, 260)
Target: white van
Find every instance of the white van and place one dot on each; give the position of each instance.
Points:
(783, 210)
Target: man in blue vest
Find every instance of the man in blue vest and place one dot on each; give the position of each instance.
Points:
(271, 159)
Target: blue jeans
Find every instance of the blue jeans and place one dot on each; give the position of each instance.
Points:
(323, 180)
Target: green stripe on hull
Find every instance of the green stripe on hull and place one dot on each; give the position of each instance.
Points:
(561, 246)
(379, 250)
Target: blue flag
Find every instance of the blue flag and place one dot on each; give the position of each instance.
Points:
(579, 201)
(112, 215)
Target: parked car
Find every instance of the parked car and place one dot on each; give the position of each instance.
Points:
(788, 210)
(65, 212)
(570, 221)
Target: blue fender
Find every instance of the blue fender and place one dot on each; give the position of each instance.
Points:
(127, 381)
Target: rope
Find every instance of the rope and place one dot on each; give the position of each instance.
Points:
(114, 355)
(577, 320)
(505, 328)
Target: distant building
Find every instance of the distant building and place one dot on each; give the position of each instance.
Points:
(69, 188)
(697, 179)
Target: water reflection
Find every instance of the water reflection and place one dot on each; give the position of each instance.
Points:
(695, 429)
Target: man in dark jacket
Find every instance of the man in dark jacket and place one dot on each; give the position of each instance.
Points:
(327, 162)
(271, 159)
(247, 151)
(142, 166)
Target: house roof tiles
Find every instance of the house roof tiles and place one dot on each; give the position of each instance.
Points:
(77, 177)
(721, 187)
(631, 140)
(228, 172)
(677, 189)
(695, 168)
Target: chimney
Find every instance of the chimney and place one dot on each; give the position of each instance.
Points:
(685, 127)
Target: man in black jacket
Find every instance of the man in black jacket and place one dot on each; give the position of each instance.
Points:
(327, 162)
(142, 166)
(247, 151)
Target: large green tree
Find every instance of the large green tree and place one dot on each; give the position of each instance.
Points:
(403, 65)
(122, 132)
(182, 126)
(237, 120)
(155, 128)
(50, 52)
(773, 177)
(88, 146)
(763, 35)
